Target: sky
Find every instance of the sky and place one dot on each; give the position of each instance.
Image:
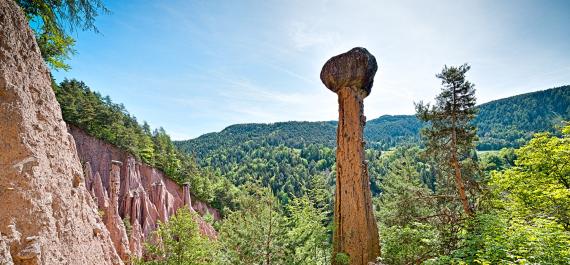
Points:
(198, 66)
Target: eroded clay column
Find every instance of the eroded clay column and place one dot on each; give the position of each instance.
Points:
(350, 75)
(113, 220)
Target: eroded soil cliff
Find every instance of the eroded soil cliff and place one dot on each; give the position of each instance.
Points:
(128, 191)
(47, 215)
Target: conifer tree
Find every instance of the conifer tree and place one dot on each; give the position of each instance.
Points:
(255, 234)
(179, 242)
(450, 134)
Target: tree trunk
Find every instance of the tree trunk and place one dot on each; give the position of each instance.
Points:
(356, 233)
(455, 163)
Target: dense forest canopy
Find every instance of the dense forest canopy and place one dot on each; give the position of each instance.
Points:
(511, 122)
(287, 155)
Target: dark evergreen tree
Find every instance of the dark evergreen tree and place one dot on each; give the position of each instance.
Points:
(450, 134)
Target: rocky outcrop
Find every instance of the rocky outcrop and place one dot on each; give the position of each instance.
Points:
(350, 75)
(47, 214)
(132, 195)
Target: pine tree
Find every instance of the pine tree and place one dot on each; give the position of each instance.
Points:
(405, 212)
(179, 242)
(450, 134)
(308, 237)
(255, 233)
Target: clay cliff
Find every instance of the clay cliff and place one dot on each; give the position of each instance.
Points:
(47, 214)
(127, 190)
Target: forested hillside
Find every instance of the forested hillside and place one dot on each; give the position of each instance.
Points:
(508, 122)
(511, 122)
(293, 134)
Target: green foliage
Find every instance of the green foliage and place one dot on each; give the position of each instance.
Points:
(522, 219)
(449, 119)
(291, 134)
(408, 244)
(102, 118)
(402, 186)
(179, 242)
(54, 20)
(286, 170)
(410, 224)
(342, 258)
(308, 234)
(525, 220)
(512, 121)
(499, 238)
(389, 131)
(500, 160)
(538, 185)
(263, 231)
(254, 234)
(128, 226)
(450, 135)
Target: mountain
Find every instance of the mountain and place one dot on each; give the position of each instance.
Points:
(294, 134)
(507, 122)
(510, 122)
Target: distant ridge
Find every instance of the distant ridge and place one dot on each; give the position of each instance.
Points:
(507, 122)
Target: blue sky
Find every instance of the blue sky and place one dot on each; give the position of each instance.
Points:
(198, 66)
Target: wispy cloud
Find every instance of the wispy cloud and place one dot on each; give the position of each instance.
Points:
(305, 36)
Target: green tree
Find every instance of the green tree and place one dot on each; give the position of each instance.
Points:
(255, 234)
(450, 134)
(165, 155)
(525, 220)
(54, 20)
(179, 242)
(407, 213)
(146, 146)
(539, 183)
(308, 234)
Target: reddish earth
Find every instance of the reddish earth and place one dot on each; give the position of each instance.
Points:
(126, 189)
(47, 214)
